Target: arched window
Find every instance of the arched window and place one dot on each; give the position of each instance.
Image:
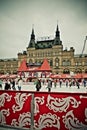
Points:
(56, 62)
(85, 62)
(30, 61)
(78, 63)
(51, 62)
(66, 71)
(86, 71)
(1, 72)
(66, 62)
(78, 71)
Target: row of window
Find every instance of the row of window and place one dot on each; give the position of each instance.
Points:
(64, 62)
(6, 66)
(67, 71)
(42, 54)
(8, 71)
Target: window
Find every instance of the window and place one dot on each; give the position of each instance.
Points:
(66, 71)
(56, 62)
(51, 62)
(78, 71)
(86, 71)
(66, 63)
(78, 63)
(85, 62)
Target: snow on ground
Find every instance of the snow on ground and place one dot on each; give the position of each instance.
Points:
(30, 86)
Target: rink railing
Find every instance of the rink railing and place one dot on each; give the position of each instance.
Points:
(43, 110)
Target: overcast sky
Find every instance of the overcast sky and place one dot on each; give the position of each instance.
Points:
(18, 16)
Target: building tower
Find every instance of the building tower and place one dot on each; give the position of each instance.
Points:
(32, 40)
(57, 37)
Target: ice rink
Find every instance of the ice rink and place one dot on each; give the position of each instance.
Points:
(30, 86)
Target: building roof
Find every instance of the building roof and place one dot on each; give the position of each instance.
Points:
(45, 66)
(23, 66)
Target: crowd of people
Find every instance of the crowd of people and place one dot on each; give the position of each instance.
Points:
(55, 83)
(9, 84)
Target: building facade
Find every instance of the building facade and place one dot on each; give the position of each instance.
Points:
(60, 60)
(9, 66)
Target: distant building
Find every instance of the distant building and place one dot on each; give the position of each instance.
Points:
(60, 60)
(9, 66)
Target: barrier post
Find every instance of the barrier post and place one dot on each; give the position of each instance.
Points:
(32, 112)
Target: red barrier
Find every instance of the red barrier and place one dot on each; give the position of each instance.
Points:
(15, 108)
(54, 111)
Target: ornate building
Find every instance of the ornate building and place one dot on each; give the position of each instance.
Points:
(60, 60)
(8, 66)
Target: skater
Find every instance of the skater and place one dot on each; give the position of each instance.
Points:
(67, 83)
(1, 84)
(20, 82)
(60, 82)
(7, 85)
(55, 83)
(38, 85)
(77, 84)
(13, 84)
(49, 86)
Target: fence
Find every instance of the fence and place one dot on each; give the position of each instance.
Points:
(43, 110)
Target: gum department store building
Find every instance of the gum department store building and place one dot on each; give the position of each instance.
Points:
(60, 60)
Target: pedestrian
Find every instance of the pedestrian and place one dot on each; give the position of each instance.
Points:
(60, 82)
(70, 83)
(55, 83)
(84, 83)
(38, 85)
(49, 86)
(20, 82)
(7, 85)
(1, 84)
(67, 82)
(13, 84)
(77, 84)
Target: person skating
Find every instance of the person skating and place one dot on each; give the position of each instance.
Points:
(38, 85)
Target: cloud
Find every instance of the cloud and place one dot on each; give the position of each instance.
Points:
(17, 18)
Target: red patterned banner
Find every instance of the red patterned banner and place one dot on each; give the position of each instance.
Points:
(57, 111)
(60, 111)
(15, 108)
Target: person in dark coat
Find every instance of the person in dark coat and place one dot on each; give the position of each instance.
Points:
(49, 86)
(13, 84)
(7, 86)
(78, 84)
(38, 85)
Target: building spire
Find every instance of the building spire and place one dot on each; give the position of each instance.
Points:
(32, 38)
(57, 26)
(32, 29)
(32, 34)
(57, 36)
(57, 30)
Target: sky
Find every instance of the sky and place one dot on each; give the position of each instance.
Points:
(17, 17)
